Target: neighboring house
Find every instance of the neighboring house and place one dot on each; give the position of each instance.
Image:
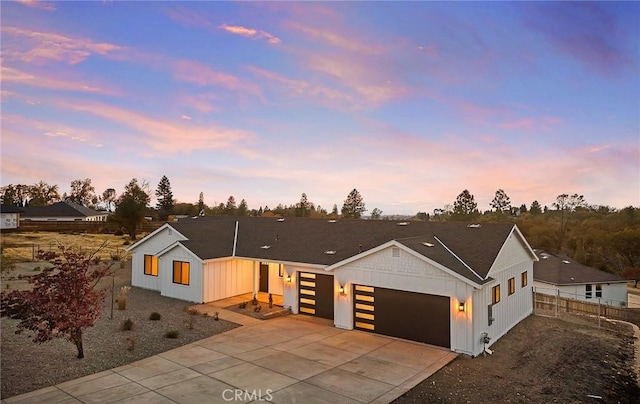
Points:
(10, 217)
(63, 212)
(446, 284)
(564, 277)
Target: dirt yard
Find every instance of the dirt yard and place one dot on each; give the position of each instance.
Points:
(541, 360)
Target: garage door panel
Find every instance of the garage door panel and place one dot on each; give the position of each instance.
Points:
(413, 316)
(316, 294)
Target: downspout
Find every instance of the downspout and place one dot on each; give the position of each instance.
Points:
(235, 240)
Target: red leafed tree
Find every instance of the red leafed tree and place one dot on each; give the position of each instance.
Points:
(64, 298)
(632, 274)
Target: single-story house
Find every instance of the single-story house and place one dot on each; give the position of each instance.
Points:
(455, 285)
(561, 276)
(64, 211)
(10, 217)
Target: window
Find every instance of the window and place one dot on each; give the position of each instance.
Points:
(150, 265)
(512, 286)
(181, 272)
(598, 290)
(495, 294)
(523, 279)
(395, 252)
(588, 291)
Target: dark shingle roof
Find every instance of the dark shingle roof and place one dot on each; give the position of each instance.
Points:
(307, 240)
(10, 209)
(560, 270)
(59, 209)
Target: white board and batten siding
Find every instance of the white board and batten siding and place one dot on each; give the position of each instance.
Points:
(193, 292)
(513, 260)
(151, 246)
(226, 278)
(406, 272)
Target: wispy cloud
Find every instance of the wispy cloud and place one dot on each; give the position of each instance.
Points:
(251, 33)
(164, 135)
(334, 38)
(540, 124)
(43, 5)
(202, 75)
(43, 47)
(585, 32)
(16, 76)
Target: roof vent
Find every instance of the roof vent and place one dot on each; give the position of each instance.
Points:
(330, 252)
(565, 262)
(265, 247)
(281, 219)
(403, 224)
(544, 257)
(332, 221)
(427, 244)
(474, 225)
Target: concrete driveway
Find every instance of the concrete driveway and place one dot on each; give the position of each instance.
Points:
(294, 359)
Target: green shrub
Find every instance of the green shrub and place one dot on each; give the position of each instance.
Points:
(126, 242)
(155, 316)
(127, 325)
(172, 334)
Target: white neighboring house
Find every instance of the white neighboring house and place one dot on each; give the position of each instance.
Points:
(445, 284)
(564, 277)
(10, 217)
(64, 211)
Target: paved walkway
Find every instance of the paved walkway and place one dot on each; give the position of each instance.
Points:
(293, 359)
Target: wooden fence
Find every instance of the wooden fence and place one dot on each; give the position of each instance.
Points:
(82, 227)
(554, 305)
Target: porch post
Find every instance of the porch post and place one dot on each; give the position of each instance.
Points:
(254, 281)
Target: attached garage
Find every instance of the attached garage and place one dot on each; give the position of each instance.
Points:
(316, 294)
(413, 316)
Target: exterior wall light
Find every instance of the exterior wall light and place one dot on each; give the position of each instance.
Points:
(461, 306)
(342, 290)
(288, 278)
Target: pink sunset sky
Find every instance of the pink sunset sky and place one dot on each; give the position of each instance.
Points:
(410, 103)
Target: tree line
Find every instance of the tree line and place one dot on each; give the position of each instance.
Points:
(600, 236)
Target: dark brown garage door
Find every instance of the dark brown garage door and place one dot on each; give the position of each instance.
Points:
(316, 294)
(414, 316)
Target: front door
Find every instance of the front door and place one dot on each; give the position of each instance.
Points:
(316, 294)
(264, 278)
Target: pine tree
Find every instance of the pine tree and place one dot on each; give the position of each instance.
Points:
(303, 208)
(165, 198)
(353, 206)
(465, 206)
(230, 207)
(501, 202)
(243, 208)
(535, 208)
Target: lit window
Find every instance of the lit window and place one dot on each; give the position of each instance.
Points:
(512, 286)
(598, 290)
(150, 265)
(495, 294)
(588, 291)
(181, 272)
(523, 279)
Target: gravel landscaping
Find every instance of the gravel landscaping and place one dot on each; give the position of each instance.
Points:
(27, 366)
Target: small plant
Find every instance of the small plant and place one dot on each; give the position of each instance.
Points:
(189, 322)
(132, 343)
(172, 334)
(254, 301)
(122, 297)
(127, 325)
(96, 260)
(242, 305)
(205, 314)
(126, 242)
(270, 300)
(118, 233)
(115, 257)
(155, 316)
(257, 309)
(215, 316)
(193, 312)
(36, 269)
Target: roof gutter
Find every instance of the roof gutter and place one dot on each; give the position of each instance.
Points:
(235, 240)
